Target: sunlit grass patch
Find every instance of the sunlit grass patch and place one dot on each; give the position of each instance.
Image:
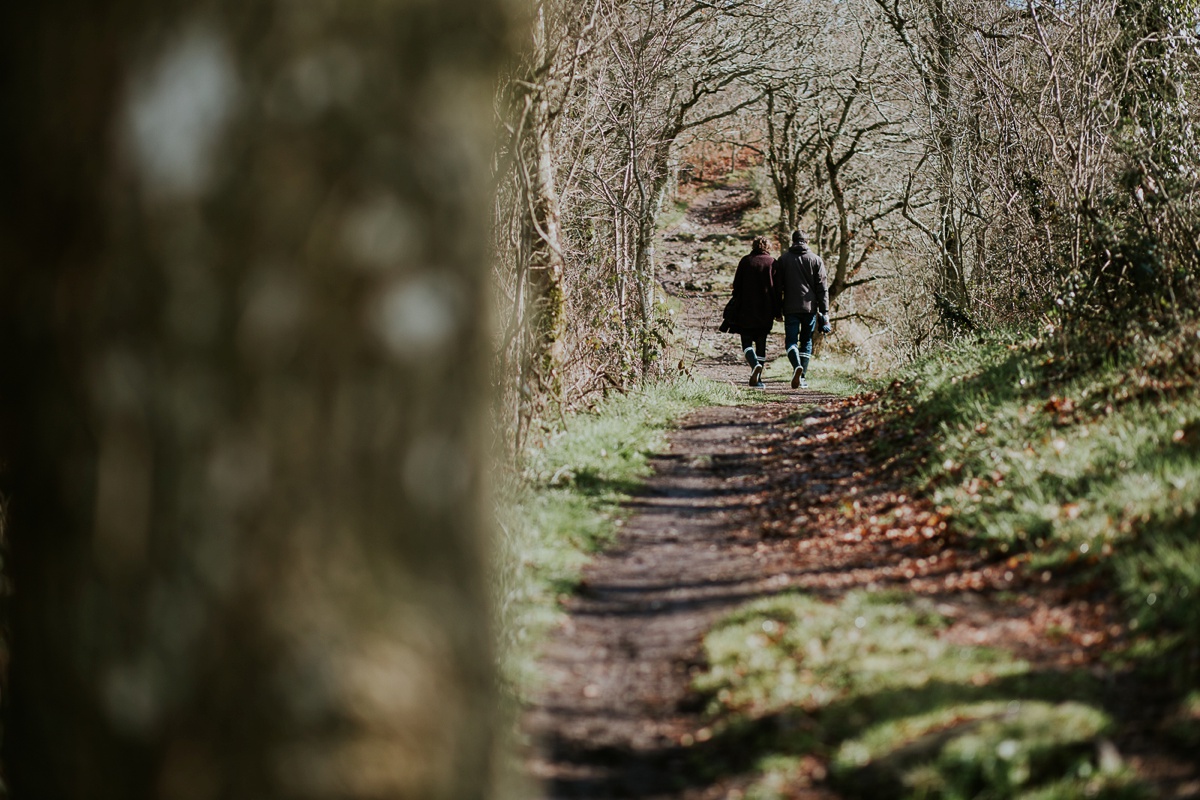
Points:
(998, 748)
(778, 777)
(566, 504)
(797, 651)
(673, 214)
(831, 373)
(899, 711)
(612, 442)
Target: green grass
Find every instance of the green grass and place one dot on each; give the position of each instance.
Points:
(1084, 467)
(761, 221)
(566, 504)
(831, 371)
(673, 214)
(896, 711)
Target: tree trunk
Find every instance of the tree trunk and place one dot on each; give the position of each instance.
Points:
(934, 59)
(783, 171)
(647, 238)
(245, 266)
(841, 267)
(945, 52)
(547, 302)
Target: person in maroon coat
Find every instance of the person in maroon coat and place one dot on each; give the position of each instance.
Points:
(755, 300)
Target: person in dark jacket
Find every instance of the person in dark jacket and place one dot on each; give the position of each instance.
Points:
(802, 295)
(754, 299)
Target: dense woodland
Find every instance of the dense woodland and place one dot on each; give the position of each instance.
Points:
(960, 165)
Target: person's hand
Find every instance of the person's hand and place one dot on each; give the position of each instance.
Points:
(824, 323)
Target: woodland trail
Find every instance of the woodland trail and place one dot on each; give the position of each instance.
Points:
(615, 714)
(787, 494)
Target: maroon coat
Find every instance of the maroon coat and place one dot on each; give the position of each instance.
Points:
(754, 295)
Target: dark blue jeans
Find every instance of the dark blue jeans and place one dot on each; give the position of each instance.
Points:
(798, 330)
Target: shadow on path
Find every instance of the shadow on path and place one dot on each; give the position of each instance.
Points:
(615, 706)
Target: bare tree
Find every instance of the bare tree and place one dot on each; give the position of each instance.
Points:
(930, 33)
(861, 163)
(675, 76)
(967, 144)
(792, 144)
(836, 127)
(1053, 164)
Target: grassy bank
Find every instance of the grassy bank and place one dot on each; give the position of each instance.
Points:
(565, 505)
(1079, 466)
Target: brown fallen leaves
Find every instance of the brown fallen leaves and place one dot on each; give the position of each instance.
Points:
(836, 512)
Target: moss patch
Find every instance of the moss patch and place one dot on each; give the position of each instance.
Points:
(895, 710)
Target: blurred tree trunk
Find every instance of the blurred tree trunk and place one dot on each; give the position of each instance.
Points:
(241, 398)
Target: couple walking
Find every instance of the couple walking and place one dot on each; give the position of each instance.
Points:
(793, 288)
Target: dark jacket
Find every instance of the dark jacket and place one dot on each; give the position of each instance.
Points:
(754, 294)
(801, 283)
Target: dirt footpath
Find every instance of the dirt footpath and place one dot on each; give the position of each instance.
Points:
(615, 717)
